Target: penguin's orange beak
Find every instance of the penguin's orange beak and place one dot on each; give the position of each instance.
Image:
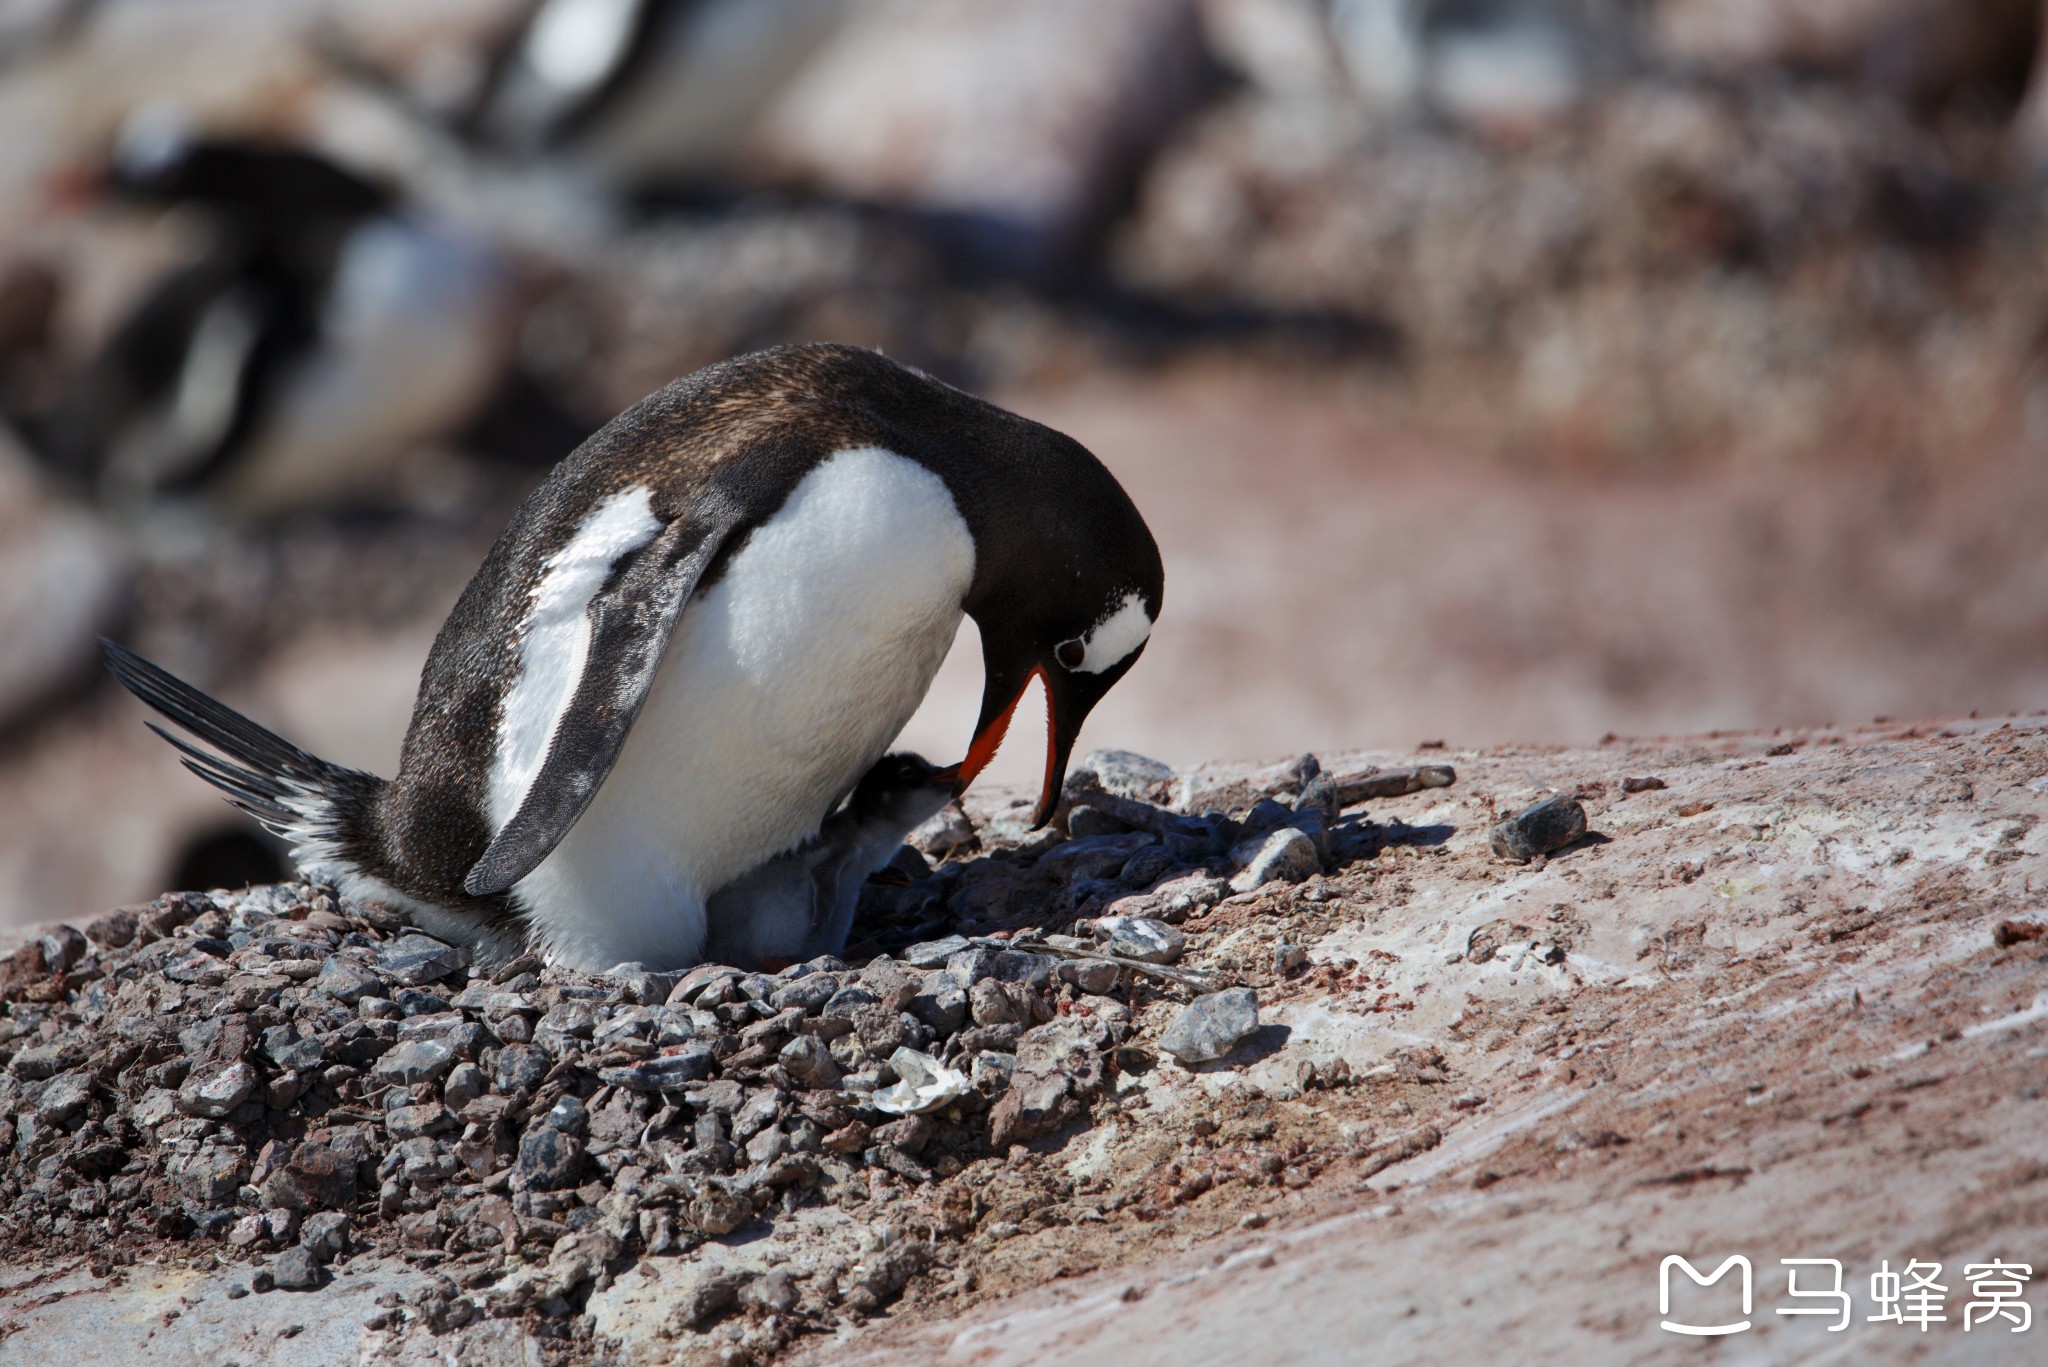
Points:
(988, 736)
(1066, 707)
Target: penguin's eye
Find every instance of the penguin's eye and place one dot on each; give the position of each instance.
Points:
(1070, 654)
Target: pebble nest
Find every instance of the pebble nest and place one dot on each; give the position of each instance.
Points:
(289, 1079)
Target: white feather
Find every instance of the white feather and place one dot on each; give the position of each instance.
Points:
(784, 682)
(556, 643)
(1110, 641)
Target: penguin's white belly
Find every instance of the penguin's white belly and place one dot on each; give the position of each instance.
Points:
(783, 683)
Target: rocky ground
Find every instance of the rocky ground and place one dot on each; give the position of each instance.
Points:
(1780, 1000)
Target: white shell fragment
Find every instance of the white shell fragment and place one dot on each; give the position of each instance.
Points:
(925, 1084)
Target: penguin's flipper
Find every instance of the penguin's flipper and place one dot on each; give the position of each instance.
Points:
(631, 619)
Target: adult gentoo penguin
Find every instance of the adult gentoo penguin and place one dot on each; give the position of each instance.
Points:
(695, 636)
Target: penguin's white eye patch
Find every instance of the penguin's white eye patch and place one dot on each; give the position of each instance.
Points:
(1110, 641)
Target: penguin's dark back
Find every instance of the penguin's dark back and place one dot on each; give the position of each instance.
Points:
(741, 432)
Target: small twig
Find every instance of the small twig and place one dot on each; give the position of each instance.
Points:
(1199, 979)
(1355, 788)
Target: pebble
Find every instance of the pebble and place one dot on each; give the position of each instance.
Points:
(807, 993)
(1211, 1026)
(295, 1270)
(324, 1236)
(47, 1060)
(1124, 772)
(569, 1115)
(65, 1097)
(809, 1061)
(418, 1060)
(1141, 938)
(417, 959)
(690, 1063)
(345, 980)
(935, 953)
(215, 1091)
(1535, 831)
(1093, 976)
(549, 1159)
(465, 1084)
(1284, 856)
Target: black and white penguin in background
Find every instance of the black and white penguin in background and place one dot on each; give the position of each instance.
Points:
(694, 638)
(318, 338)
(629, 95)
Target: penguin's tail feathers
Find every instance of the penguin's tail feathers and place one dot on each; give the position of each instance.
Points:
(304, 799)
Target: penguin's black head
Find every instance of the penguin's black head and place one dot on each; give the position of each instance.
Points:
(1077, 589)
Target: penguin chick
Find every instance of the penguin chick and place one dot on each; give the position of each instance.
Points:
(801, 904)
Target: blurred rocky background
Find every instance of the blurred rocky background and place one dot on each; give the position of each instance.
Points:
(1490, 369)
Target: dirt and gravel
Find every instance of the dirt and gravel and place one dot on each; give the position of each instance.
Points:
(1783, 999)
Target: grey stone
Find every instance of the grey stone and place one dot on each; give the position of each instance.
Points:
(418, 1060)
(809, 1061)
(767, 1146)
(410, 1122)
(1188, 895)
(1084, 821)
(211, 1176)
(1542, 829)
(1095, 976)
(972, 964)
(417, 959)
(934, 953)
(706, 1292)
(846, 1001)
(944, 833)
(690, 1063)
(285, 1047)
(1285, 856)
(465, 1084)
(989, 1004)
(47, 1060)
(320, 1175)
(638, 984)
(569, 1115)
(762, 1108)
(63, 947)
(379, 1008)
(1147, 867)
(345, 980)
(296, 1270)
(571, 1018)
(325, 1235)
(1022, 966)
(1211, 1026)
(809, 992)
(64, 1098)
(520, 1066)
(941, 1001)
(549, 1159)
(1125, 773)
(213, 1091)
(1141, 938)
(199, 968)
